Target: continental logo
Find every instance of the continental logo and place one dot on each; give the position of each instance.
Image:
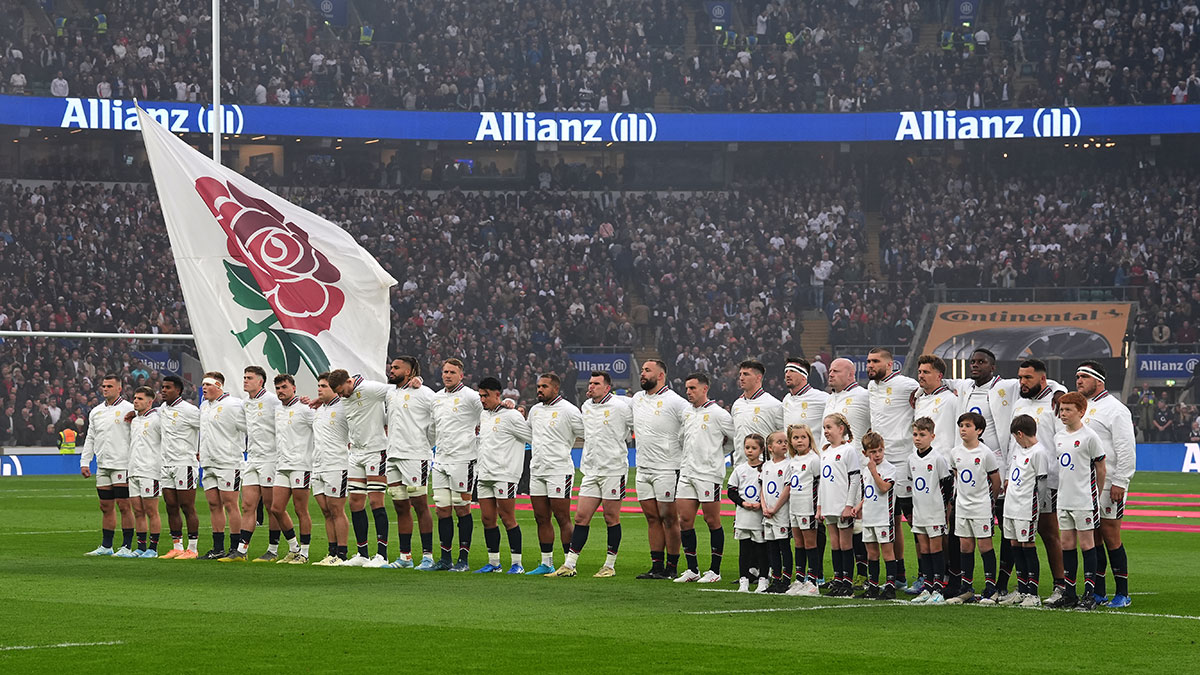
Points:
(1004, 316)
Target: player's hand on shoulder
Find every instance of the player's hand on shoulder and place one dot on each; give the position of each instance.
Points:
(415, 382)
(129, 416)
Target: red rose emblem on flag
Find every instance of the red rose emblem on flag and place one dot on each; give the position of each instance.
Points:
(296, 279)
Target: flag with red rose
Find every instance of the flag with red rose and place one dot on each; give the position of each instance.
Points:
(266, 282)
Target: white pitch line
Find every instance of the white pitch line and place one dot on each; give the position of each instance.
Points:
(13, 534)
(1095, 612)
(780, 609)
(10, 648)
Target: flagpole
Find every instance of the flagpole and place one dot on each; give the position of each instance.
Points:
(217, 117)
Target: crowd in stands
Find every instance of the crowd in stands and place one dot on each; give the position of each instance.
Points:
(779, 56)
(1162, 416)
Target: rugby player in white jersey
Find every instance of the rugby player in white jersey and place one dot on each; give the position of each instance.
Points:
(180, 421)
(890, 395)
(657, 415)
(107, 440)
(1039, 400)
(706, 429)
(331, 468)
(259, 477)
(456, 418)
(607, 424)
(803, 404)
(145, 469)
(755, 411)
(222, 442)
(503, 434)
(293, 468)
(1111, 421)
(848, 399)
(366, 416)
(555, 424)
(409, 456)
(937, 402)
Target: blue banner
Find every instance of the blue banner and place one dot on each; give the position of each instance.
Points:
(1166, 366)
(927, 125)
(334, 11)
(720, 13)
(618, 366)
(1182, 457)
(160, 361)
(966, 12)
(860, 365)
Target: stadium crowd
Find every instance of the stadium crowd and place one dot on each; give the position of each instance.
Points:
(615, 55)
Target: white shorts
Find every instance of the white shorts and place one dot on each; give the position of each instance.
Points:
(699, 489)
(930, 530)
(1021, 531)
(497, 489)
(225, 480)
(330, 483)
(603, 487)
(179, 477)
(903, 487)
(1078, 519)
(369, 465)
(146, 488)
(973, 528)
(804, 522)
(879, 535)
(110, 477)
(755, 536)
(774, 531)
(458, 478)
(657, 484)
(1047, 500)
(1110, 510)
(554, 487)
(413, 473)
(839, 522)
(262, 475)
(294, 479)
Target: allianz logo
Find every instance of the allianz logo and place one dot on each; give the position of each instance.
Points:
(949, 125)
(527, 126)
(103, 113)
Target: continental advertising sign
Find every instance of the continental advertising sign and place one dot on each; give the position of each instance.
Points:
(1030, 330)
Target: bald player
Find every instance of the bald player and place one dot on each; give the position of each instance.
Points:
(848, 398)
(658, 416)
(892, 418)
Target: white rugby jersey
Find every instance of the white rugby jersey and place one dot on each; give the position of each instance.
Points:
(180, 422)
(758, 413)
(455, 417)
(892, 414)
(145, 445)
(807, 407)
(804, 483)
(554, 426)
(107, 436)
(747, 481)
(410, 432)
(260, 427)
(366, 416)
(331, 437)
(941, 406)
(1026, 469)
(855, 403)
(657, 417)
(606, 428)
(1110, 419)
(704, 431)
(928, 471)
(841, 478)
(972, 488)
(222, 433)
(503, 433)
(879, 507)
(294, 436)
(774, 475)
(1041, 408)
(1077, 452)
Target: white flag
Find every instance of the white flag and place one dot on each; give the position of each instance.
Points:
(266, 282)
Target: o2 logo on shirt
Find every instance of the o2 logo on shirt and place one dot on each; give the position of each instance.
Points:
(827, 472)
(966, 477)
(1066, 462)
(773, 488)
(921, 485)
(869, 493)
(751, 492)
(795, 482)
(1015, 479)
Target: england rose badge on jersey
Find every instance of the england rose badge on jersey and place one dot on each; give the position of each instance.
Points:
(781, 472)
(977, 460)
(929, 468)
(460, 484)
(837, 458)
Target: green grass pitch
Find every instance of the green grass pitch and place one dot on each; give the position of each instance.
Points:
(60, 611)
